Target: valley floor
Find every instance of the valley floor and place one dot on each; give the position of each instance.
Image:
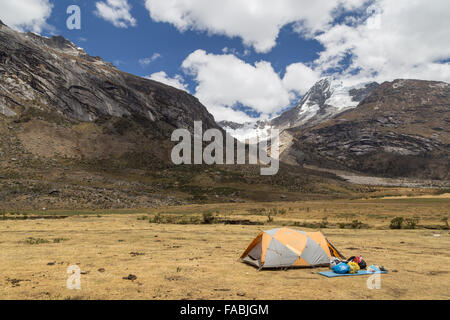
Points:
(175, 260)
(360, 179)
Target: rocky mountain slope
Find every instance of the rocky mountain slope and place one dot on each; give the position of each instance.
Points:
(402, 128)
(77, 133)
(51, 86)
(327, 98)
(397, 129)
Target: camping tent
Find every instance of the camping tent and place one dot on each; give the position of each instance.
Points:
(283, 248)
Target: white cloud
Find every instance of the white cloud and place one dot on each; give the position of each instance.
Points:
(385, 40)
(299, 78)
(392, 39)
(177, 81)
(117, 12)
(222, 113)
(257, 22)
(400, 39)
(225, 82)
(26, 14)
(146, 61)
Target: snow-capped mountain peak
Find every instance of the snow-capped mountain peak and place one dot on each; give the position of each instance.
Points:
(247, 130)
(327, 98)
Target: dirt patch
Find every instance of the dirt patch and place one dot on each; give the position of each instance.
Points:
(50, 140)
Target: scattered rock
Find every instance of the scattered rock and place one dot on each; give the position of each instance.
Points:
(135, 254)
(130, 277)
(15, 282)
(241, 294)
(101, 270)
(51, 263)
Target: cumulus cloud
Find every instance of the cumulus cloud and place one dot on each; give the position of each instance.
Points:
(225, 84)
(377, 40)
(26, 14)
(177, 81)
(299, 78)
(398, 39)
(225, 81)
(146, 61)
(382, 39)
(256, 22)
(117, 12)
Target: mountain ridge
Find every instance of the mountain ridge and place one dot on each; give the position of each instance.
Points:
(53, 71)
(400, 129)
(76, 132)
(326, 99)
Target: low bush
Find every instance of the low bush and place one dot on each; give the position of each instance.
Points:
(411, 223)
(208, 218)
(323, 224)
(396, 223)
(36, 241)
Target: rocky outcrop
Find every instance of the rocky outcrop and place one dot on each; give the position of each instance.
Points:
(53, 75)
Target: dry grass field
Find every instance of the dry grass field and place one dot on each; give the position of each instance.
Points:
(180, 258)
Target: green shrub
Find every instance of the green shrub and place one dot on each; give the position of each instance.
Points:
(324, 223)
(58, 240)
(356, 224)
(396, 223)
(208, 218)
(36, 241)
(156, 219)
(411, 223)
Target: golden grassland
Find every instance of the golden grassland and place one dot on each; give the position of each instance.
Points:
(184, 259)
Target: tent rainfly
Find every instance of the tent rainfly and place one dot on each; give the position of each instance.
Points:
(285, 248)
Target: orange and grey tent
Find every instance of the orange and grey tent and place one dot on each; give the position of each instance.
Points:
(284, 248)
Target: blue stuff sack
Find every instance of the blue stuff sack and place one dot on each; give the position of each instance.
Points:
(341, 268)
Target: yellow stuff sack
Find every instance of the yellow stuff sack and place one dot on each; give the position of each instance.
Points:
(354, 267)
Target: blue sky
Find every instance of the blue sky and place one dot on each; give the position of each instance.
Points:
(252, 59)
(126, 46)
